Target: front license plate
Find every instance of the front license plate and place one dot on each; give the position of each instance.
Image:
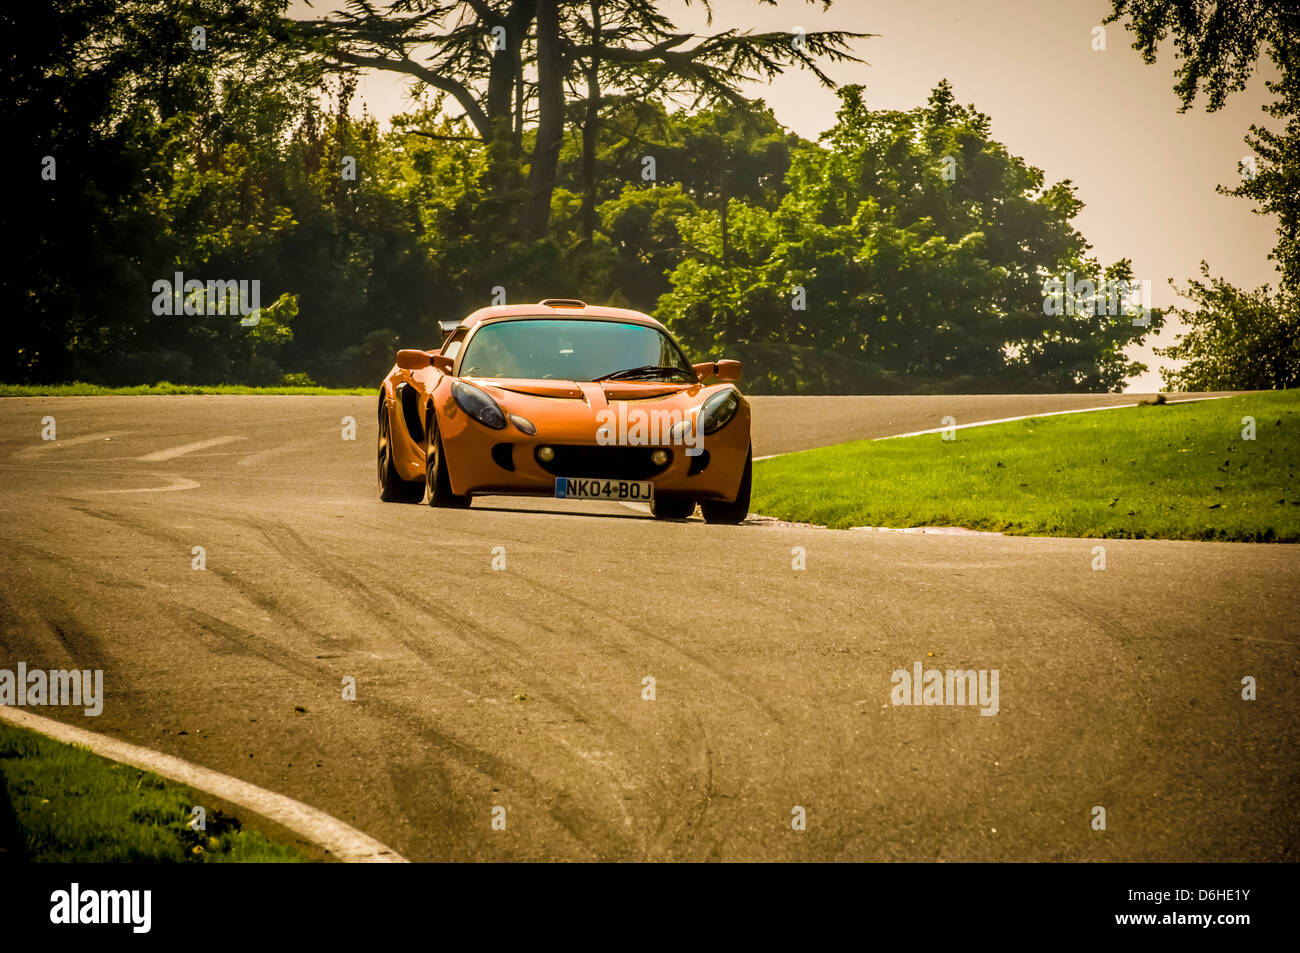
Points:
(570, 488)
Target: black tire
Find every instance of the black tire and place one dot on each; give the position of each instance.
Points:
(392, 488)
(672, 507)
(735, 511)
(435, 469)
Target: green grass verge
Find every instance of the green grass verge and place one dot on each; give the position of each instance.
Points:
(78, 389)
(1173, 471)
(73, 806)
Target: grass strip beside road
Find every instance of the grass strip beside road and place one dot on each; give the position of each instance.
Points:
(69, 805)
(1172, 471)
(78, 389)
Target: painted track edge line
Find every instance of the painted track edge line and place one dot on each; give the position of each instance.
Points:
(1002, 420)
(344, 842)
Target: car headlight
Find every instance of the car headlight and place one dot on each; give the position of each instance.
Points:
(718, 410)
(478, 405)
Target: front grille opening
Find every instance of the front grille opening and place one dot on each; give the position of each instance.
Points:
(606, 463)
(504, 455)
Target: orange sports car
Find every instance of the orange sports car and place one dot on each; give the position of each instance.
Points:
(567, 400)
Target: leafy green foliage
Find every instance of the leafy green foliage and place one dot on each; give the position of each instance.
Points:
(1236, 335)
(1236, 340)
(233, 162)
(921, 246)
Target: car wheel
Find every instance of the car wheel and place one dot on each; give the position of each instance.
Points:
(737, 509)
(435, 469)
(672, 507)
(392, 488)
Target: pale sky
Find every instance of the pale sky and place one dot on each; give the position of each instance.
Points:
(1145, 173)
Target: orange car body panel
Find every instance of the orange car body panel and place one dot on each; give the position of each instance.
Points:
(565, 413)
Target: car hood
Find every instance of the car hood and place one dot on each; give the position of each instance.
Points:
(591, 392)
(575, 411)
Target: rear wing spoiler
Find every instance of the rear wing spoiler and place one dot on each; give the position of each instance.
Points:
(448, 328)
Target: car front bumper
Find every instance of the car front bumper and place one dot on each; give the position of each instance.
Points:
(482, 461)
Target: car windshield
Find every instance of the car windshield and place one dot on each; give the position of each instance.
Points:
(573, 350)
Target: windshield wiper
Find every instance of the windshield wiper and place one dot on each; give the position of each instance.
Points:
(645, 370)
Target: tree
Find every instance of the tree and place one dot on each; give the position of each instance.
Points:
(912, 243)
(1236, 340)
(1219, 43)
(470, 59)
(105, 101)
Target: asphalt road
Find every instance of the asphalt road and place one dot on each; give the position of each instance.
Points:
(522, 687)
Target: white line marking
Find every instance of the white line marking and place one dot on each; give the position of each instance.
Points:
(1050, 413)
(73, 442)
(178, 483)
(1005, 420)
(935, 530)
(271, 453)
(639, 507)
(173, 452)
(344, 842)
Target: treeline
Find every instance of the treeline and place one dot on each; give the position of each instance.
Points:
(903, 251)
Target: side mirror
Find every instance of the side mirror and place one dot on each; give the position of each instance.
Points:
(443, 363)
(730, 370)
(724, 370)
(409, 359)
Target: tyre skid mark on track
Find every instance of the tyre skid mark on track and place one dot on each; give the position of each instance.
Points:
(249, 590)
(498, 648)
(598, 724)
(578, 825)
(262, 648)
(632, 737)
(687, 826)
(314, 674)
(257, 645)
(85, 650)
(369, 603)
(469, 757)
(616, 622)
(620, 622)
(587, 828)
(246, 640)
(502, 650)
